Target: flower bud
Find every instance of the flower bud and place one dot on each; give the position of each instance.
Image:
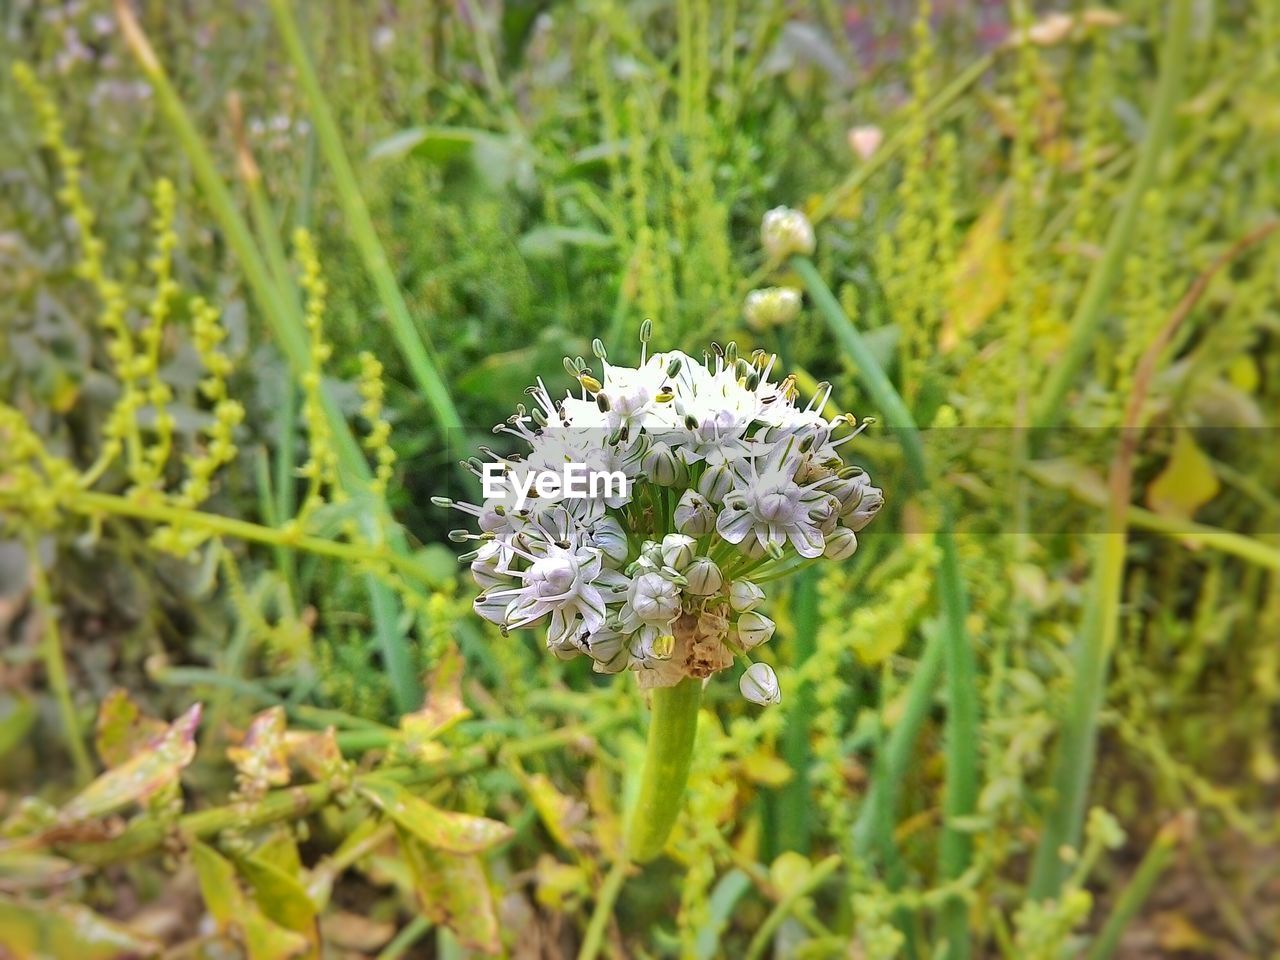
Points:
(825, 514)
(771, 307)
(678, 550)
(662, 466)
(716, 482)
(864, 141)
(868, 506)
(785, 231)
(694, 515)
(607, 534)
(745, 595)
(840, 544)
(654, 599)
(704, 578)
(754, 629)
(759, 684)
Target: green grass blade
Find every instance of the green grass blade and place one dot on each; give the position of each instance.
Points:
(962, 704)
(417, 354)
(1106, 270)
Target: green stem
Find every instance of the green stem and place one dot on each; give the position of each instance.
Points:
(962, 703)
(1106, 270)
(55, 666)
(672, 728)
(788, 903)
(873, 830)
(1138, 889)
(794, 800)
(961, 795)
(594, 937)
(1078, 739)
(885, 396)
(416, 352)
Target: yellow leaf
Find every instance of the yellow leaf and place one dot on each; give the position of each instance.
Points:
(1243, 374)
(765, 769)
(980, 280)
(1186, 483)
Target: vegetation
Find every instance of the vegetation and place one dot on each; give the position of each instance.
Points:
(271, 270)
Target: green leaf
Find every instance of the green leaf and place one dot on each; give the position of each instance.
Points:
(547, 243)
(453, 891)
(438, 143)
(158, 765)
(440, 829)
(20, 869)
(40, 931)
(218, 886)
(235, 913)
(279, 895)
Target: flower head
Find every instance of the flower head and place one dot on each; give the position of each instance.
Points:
(727, 480)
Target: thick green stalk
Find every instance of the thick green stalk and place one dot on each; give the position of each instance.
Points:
(1106, 270)
(672, 728)
(1137, 890)
(283, 316)
(962, 703)
(416, 352)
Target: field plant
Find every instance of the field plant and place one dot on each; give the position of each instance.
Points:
(269, 273)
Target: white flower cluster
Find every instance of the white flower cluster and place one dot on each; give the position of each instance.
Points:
(729, 483)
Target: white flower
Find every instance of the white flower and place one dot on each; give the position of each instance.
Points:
(713, 453)
(785, 231)
(774, 510)
(565, 584)
(759, 684)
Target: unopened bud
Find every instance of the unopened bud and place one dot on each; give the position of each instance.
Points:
(745, 595)
(677, 550)
(866, 140)
(841, 543)
(759, 684)
(785, 231)
(703, 577)
(771, 307)
(754, 629)
(694, 514)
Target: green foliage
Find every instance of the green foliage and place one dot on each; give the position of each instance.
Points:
(233, 342)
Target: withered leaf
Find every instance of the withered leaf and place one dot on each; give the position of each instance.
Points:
(440, 829)
(453, 891)
(157, 766)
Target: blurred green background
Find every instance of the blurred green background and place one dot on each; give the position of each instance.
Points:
(1002, 192)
